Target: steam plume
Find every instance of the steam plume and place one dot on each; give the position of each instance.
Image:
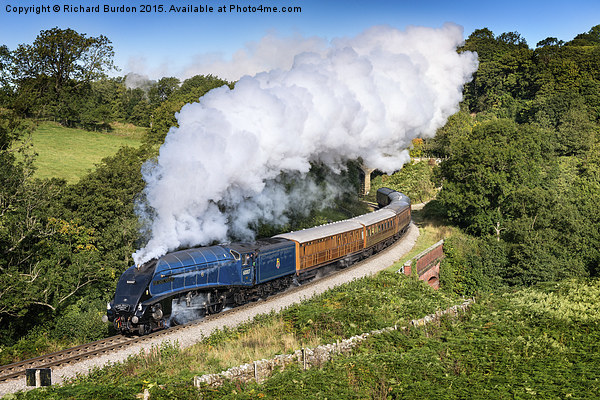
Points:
(271, 52)
(138, 81)
(366, 97)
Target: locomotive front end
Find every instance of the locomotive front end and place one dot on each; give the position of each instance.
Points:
(127, 311)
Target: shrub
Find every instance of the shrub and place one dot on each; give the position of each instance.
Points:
(473, 265)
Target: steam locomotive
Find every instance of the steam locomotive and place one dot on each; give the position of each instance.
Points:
(187, 284)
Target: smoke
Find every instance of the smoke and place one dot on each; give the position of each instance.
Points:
(365, 97)
(187, 310)
(295, 192)
(269, 53)
(137, 81)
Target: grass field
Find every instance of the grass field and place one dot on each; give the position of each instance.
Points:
(71, 153)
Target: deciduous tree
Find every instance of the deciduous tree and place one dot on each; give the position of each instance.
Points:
(52, 75)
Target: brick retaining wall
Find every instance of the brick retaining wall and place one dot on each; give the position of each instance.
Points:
(427, 265)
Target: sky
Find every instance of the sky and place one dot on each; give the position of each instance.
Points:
(170, 43)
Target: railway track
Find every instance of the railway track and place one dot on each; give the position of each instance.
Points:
(16, 370)
(373, 205)
(101, 347)
(86, 351)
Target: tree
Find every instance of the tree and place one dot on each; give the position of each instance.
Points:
(104, 201)
(459, 124)
(549, 42)
(163, 116)
(590, 38)
(483, 171)
(513, 38)
(162, 90)
(63, 55)
(5, 89)
(503, 81)
(20, 224)
(531, 191)
(197, 86)
(47, 259)
(4, 62)
(57, 68)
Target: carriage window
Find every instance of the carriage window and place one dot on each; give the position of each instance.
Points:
(235, 255)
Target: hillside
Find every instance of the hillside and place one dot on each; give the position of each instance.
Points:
(70, 153)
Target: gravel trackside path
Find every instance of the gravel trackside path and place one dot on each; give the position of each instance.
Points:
(189, 336)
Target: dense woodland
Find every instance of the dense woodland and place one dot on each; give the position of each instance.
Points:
(521, 170)
(520, 175)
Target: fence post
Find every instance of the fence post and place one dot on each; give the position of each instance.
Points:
(38, 377)
(304, 359)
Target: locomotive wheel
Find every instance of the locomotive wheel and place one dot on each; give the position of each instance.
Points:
(143, 329)
(157, 312)
(239, 298)
(217, 307)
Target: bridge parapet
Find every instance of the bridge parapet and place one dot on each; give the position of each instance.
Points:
(426, 265)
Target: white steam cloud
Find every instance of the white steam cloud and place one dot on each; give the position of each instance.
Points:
(271, 52)
(365, 97)
(138, 81)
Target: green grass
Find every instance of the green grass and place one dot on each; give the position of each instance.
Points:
(502, 351)
(536, 343)
(539, 342)
(69, 153)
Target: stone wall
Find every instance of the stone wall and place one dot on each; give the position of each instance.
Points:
(306, 358)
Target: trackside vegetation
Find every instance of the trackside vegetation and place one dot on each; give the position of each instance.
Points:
(507, 347)
(416, 180)
(348, 310)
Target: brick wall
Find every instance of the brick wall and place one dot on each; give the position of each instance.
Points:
(427, 265)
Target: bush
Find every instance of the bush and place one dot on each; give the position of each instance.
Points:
(29, 346)
(363, 305)
(82, 322)
(473, 265)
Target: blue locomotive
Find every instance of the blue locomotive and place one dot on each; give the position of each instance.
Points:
(187, 284)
